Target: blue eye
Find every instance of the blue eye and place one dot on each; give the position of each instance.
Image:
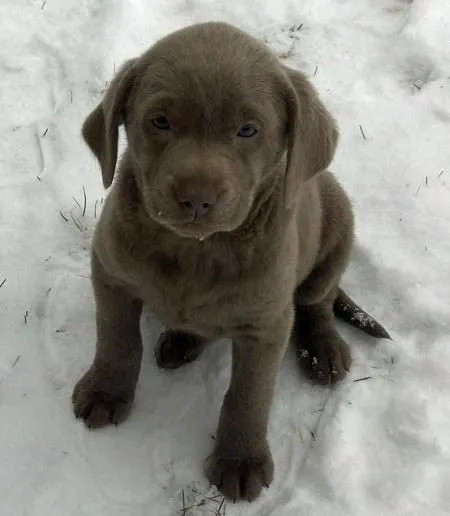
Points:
(247, 131)
(161, 122)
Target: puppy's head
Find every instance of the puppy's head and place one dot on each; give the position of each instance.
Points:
(212, 118)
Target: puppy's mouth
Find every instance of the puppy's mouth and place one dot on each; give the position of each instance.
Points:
(194, 228)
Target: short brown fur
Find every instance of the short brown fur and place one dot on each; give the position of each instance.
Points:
(261, 258)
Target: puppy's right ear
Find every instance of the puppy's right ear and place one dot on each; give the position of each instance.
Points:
(101, 128)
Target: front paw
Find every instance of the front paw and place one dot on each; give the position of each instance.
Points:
(97, 403)
(240, 477)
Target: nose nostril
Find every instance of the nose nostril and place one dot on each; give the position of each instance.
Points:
(195, 201)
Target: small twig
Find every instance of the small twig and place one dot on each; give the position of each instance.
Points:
(71, 96)
(43, 5)
(212, 437)
(315, 72)
(426, 180)
(95, 208)
(364, 378)
(313, 435)
(362, 132)
(38, 178)
(2, 283)
(418, 188)
(419, 88)
(25, 317)
(16, 361)
(183, 510)
(45, 132)
(441, 172)
(84, 198)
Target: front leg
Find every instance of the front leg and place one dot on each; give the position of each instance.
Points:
(241, 463)
(106, 391)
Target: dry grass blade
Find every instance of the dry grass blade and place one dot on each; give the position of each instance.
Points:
(77, 224)
(63, 216)
(45, 132)
(220, 507)
(363, 379)
(362, 132)
(84, 201)
(77, 203)
(2, 283)
(16, 361)
(201, 503)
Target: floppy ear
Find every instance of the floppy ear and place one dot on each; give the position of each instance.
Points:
(101, 128)
(312, 133)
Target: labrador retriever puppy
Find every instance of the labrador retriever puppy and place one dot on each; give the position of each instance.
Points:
(223, 219)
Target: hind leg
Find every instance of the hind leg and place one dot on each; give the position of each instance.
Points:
(322, 353)
(176, 348)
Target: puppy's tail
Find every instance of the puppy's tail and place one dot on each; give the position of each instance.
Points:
(346, 309)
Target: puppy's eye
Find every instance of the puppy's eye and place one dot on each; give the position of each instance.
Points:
(247, 131)
(161, 122)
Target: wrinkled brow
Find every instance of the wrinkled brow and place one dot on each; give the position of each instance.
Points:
(239, 109)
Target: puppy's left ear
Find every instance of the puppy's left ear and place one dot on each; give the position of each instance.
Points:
(312, 133)
(101, 128)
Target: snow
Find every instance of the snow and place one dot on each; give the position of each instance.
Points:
(379, 446)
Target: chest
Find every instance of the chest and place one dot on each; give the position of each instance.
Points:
(212, 293)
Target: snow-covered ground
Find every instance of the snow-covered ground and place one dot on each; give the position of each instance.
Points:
(379, 446)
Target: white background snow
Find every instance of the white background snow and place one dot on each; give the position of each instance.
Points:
(374, 447)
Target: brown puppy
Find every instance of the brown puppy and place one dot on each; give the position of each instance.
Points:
(223, 219)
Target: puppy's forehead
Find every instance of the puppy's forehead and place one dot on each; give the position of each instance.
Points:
(210, 63)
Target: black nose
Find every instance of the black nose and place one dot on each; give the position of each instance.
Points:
(195, 200)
